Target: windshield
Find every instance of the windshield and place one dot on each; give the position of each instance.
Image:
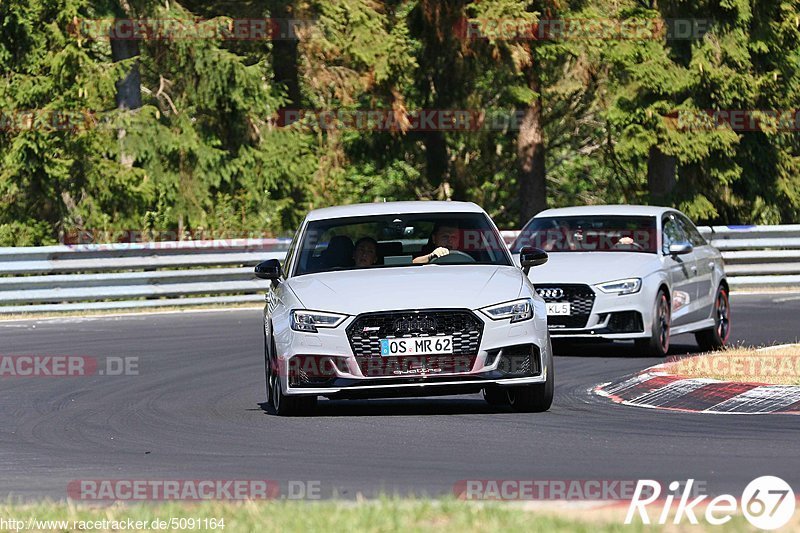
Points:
(399, 241)
(596, 233)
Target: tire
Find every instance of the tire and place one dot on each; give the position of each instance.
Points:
(267, 369)
(277, 402)
(535, 398)
(495, 396)
(283, 405)
(560, 345)
(657, 345)
(717, 337)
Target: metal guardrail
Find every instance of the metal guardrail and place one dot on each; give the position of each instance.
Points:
(758, 256)
(141, 275)
(133, 275)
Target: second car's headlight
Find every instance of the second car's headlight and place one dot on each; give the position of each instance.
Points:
(517, 311)
(309, 321)
(621, 286)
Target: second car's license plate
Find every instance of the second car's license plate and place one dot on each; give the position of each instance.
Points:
(428, 345)
(558, 308)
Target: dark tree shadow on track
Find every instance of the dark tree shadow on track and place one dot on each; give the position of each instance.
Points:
(622, 349)
(444, 406)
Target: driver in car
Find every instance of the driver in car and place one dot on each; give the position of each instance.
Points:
(365, 252)
(443, 239)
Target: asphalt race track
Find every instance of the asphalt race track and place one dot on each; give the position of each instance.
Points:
(193, 412)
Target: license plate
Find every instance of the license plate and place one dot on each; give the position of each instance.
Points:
(558, 309)
(427, 345)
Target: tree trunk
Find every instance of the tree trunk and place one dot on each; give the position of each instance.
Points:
(530, 154)
(660, 174)
(436, 157)
(284, 52)
(129, 88)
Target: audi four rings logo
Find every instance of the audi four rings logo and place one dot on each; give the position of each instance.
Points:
(550, 293)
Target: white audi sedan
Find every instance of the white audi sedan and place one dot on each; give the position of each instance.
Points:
(404, 299)
(629, 272)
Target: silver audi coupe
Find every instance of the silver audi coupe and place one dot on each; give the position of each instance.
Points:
(621, 272)
(404, 299)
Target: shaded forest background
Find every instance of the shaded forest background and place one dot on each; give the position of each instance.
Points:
(183, 135)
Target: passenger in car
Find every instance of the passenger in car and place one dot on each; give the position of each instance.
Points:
(366, 252)
(443, 239)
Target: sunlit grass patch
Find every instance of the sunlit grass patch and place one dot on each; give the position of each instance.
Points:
(779, 365)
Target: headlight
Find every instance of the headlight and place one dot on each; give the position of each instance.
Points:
(309, 321)
(621, 286)
(517, 311)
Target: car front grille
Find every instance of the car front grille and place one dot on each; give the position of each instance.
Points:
(580, 297)
(365, 332)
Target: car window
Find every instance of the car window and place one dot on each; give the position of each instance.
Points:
(287, 262)
(691, 231)
(672, 233)
(590, 233)
(395, 240)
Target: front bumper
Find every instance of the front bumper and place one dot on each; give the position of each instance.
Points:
(508, 355)
(417, 386)
(611, 316)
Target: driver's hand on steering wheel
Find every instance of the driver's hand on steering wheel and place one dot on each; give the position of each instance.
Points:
(441, 251)
(625, 240)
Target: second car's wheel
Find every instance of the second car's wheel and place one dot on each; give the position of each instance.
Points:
(657, 345)
(716, 337)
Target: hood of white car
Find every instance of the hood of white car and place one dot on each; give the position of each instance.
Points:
(409, 287)
(593, 267)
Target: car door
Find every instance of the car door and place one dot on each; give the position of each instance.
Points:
(706, 259)
(682, 270)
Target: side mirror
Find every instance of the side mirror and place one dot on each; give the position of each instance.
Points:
(269, 269)
(531, 257)
(680, 248)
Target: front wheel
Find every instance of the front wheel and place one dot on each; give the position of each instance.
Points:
(269, 349)
(657, 345)
(283, 405)
(715, 338)
(279, 403)
(495, 396)
(535, 398)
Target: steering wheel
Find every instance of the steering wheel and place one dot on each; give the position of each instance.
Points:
(455, 256)
(634, 244)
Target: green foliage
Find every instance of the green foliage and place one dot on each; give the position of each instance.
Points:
(204, 151)
(26, 233)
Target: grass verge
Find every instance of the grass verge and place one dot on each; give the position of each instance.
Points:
(383, 515)
(772, 365)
